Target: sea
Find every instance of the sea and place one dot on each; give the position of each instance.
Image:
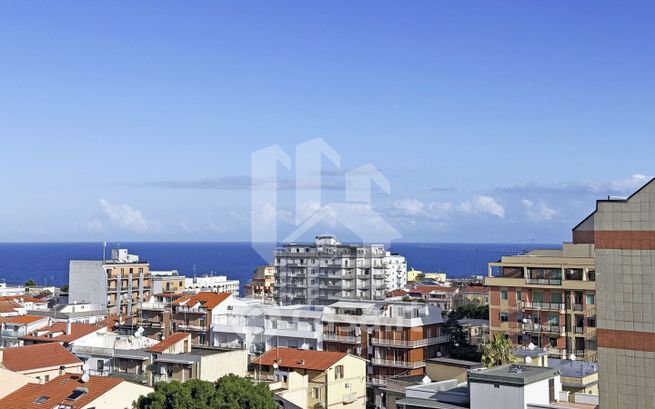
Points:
(47, 263)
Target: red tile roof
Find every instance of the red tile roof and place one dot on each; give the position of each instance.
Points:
(300, 358)
(206, 299)
(169, 341)
(78, 330)
(25, 298)
(57, 390)
(30, 357)
(21, 319)
(397, 293)
(9, 306)
(426, 289)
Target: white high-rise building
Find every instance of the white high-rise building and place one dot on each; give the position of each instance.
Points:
(326, 271)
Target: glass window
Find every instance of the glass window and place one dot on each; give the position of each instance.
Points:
(503, 294)
(518, 295)
(556, 298)
(504, 317)
(591, 298)
(538, 296)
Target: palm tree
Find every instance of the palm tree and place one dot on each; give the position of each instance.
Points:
(498, 352)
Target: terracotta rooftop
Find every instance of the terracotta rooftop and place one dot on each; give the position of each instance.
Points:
(169, 341)
(206, 299)
(300, 358)
(397, 293)
(21, 319)
(57, 391)
(58, 331)
(7, 306)
(25, 298)
(36, 356)
(426, 289)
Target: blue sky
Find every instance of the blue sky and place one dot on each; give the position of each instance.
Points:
(492, 121)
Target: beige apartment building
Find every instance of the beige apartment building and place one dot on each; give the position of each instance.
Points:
(331, 379)
(262, 285)
(546, 298)
(622, 230)
(118, 284)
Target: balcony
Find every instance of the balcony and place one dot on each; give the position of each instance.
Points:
(134, 377)
(346, 339)
(398, 364)
(543, 306)
(376, 381)
(545, 329)
(190, 327)
(191, 310)
(419, 343)
(578, 330)
(544, 281)
(577, 307)
(153, 306)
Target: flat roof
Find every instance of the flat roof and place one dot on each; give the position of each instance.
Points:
(517, 375)
(455, 362)
(427, 403)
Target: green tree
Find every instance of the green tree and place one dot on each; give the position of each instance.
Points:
(64, 288)
(30, 283)
(229, 392)
(498, 352)
(458, 346)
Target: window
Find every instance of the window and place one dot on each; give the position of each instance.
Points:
(46, 378)
(338, 372)
(503, 294)
(556, 298)
(504, 317)
(100, 365)
(591, 298)
(76, 393)
(316, 393)
(41, 399)
(518, 295)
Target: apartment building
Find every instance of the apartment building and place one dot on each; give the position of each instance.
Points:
(118, 284)
(395, 271)
(622, 230)
(12, 328)
(326, 271)
(440, 296)
(262, 285)
(168, 281)
(260, 327)
(331, 379)
(40, 362)
(193, 313)
(396, 338)
(547, 298)
(211, 283)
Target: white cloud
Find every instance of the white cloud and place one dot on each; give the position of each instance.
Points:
(439, 210)
(409, 206)
(483, 205)
(122, 216)
(629, 185)
(538, 212)
(268, 215)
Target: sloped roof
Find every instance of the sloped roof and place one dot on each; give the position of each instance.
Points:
(169, 341)
(205, 299)
(24, 298)
(37, 356)
(57, 390)
(78, 330)
(9, 306)
(426, 289)
(21, 319)
(300, 358)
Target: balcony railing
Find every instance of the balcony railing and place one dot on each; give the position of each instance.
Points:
(577, 307)
(545, 306)
(155, 306)
(544, 281)
(349, 339)
(191, 310)
(398, 364)
(545, 328)
(376, 381)
(442, 339)
(578, 330)
(190, 327)
(134, 377)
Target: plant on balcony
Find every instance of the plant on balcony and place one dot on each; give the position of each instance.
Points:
(498, 352)
(228, 392)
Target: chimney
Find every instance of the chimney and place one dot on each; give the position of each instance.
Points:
(68, 327)
(62, 368)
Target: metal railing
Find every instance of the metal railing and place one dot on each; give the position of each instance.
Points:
(157, 306)
(545, 328)
(351, 339)
(134, 377)
(442, 339)
(398, 364)
(544, 281)
(547, 306)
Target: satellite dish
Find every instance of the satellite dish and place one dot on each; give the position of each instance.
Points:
(86, 367)
(439, 354)
(140, 329)
(85, 377)
(426, 380)
(532, 346)
(137, 334)
(528, 360)
(572, 357)
(275, 365)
